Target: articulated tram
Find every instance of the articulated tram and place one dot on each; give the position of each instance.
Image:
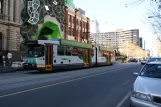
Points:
(49, 55)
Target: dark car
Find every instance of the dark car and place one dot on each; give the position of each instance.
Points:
(132, 60)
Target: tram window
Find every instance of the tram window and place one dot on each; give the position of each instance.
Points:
(80, 51)
(68, 51)
(60, 50)
(105, 53)
(36, 51)
(74, 52)
(92, 52)
(102, 53)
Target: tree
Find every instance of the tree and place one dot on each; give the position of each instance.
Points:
(132, 50)
(153, 20)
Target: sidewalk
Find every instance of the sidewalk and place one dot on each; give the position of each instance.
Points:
(6, 69)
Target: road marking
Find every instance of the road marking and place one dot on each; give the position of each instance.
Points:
(126, 82)
(41, 87)
(123, 100)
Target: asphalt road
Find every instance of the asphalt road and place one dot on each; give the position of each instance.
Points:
(96, 87)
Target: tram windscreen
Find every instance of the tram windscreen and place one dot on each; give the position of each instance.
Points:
(35, 50)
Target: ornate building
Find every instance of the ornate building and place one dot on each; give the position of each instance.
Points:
(40, 15)
(21, 20)
(10, 37)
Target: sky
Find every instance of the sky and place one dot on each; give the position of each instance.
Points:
(113, 14)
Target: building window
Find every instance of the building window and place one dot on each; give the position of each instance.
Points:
(1, 6)
(69, 18)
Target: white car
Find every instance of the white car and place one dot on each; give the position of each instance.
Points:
(18, 65)
(144, 61)
(147, 86)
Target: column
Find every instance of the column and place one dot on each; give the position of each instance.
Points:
(81, 32)
(87, 30)
(11, 8)
(17, 11)
(75, 25)
(5, 9)
(66, 23)
(70, 25)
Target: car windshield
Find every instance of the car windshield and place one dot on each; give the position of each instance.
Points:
(151, 70)
(154, 59)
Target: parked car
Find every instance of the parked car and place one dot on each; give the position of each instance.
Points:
(132, 60)
(18, 65)
(147, 86)
(144, 61)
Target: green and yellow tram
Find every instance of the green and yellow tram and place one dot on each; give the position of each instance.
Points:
(49, 55)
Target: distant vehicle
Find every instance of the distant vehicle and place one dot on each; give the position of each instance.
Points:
(147, 86)
(18, 65)
(132, 60)
(154, 59)
(144, 61)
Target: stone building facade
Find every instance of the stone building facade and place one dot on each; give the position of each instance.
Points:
(10, 37)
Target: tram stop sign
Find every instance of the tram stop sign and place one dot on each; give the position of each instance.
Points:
(9, 55)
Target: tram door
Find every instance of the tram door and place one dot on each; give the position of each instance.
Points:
(86, 58)
(48, 57)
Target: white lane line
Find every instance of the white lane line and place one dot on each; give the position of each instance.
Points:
(123, 100)
(33, 89)
(126, 82)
